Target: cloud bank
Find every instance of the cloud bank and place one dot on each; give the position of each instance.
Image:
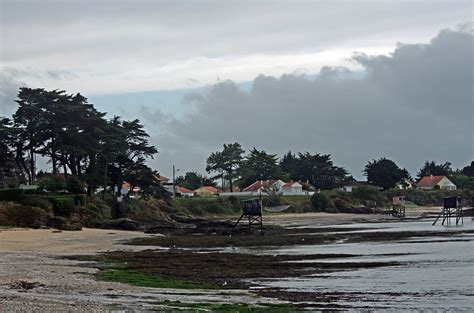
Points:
(413, 105)
(106, 47)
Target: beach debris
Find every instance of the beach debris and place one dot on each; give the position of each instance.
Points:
(26, 285)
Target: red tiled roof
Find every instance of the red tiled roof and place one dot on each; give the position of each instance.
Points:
(429, 181)
(259, 184)
(184, 190)
(161, 178)
(289, 184)
(60, 175)
(212, 189)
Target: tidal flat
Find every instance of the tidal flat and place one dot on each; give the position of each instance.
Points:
(299, 265)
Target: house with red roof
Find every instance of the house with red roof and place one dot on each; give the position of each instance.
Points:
(435, 182)
(184, 192)
(261, 186)
(207, 191)
(125, 190)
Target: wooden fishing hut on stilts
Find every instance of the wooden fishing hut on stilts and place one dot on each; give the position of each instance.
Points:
(452, 208)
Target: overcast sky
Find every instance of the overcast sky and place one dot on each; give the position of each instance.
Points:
(356, 79)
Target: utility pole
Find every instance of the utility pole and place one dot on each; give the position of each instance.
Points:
(174, 186)
(174, 178)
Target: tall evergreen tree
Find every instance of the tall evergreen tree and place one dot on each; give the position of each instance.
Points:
(258, 165)
(226, 162)
(385, 173)
(432, 168)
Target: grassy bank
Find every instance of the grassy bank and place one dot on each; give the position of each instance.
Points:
(20, 208)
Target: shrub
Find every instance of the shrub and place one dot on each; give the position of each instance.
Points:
(75, 185)
(99, 206)
(52, 183)
(341, 204)
(234, 203)
(63, 206)
(368, 193)
(80, 200)
(36, 201)
(149, 211)
(10, 194)
(197, 211)
(13, 214)
(321, 201)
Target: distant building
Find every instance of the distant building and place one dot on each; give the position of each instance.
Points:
(185, 192)
(207, 191)
(126, 190)
(351, 186)
(292, 188)
(406, 184)
(347, 188)
(261, 186)
(435, 182)
(161, 179)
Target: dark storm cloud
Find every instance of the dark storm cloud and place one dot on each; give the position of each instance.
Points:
(413, 105)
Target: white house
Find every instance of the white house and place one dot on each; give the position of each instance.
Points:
(347, 188)
(261, 186)
(292, 188)
(435, 182)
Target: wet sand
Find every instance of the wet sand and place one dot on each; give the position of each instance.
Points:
(37, 257)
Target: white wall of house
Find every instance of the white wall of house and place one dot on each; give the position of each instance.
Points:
(446, 184)
(347, 188)
(294, 190)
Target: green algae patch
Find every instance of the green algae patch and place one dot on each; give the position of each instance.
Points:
(143, 279)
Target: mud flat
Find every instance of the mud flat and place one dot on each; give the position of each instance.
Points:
(336, 262)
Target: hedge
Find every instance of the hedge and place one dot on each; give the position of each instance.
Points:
(63, 205)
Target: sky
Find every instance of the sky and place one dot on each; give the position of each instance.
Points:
(356, 79)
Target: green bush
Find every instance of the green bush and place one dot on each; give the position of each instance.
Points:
(63, 205)
(36, 201)
(234, 203)
(99, 206)
(52, 183)
(196, 211)
(75, 185)
(321, 202)
(80, 200)
(368, 193)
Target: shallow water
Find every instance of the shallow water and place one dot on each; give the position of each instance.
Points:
(437, 272)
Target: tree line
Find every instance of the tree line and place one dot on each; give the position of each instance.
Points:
(76, 139)
(233, 167)
(81, 142)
